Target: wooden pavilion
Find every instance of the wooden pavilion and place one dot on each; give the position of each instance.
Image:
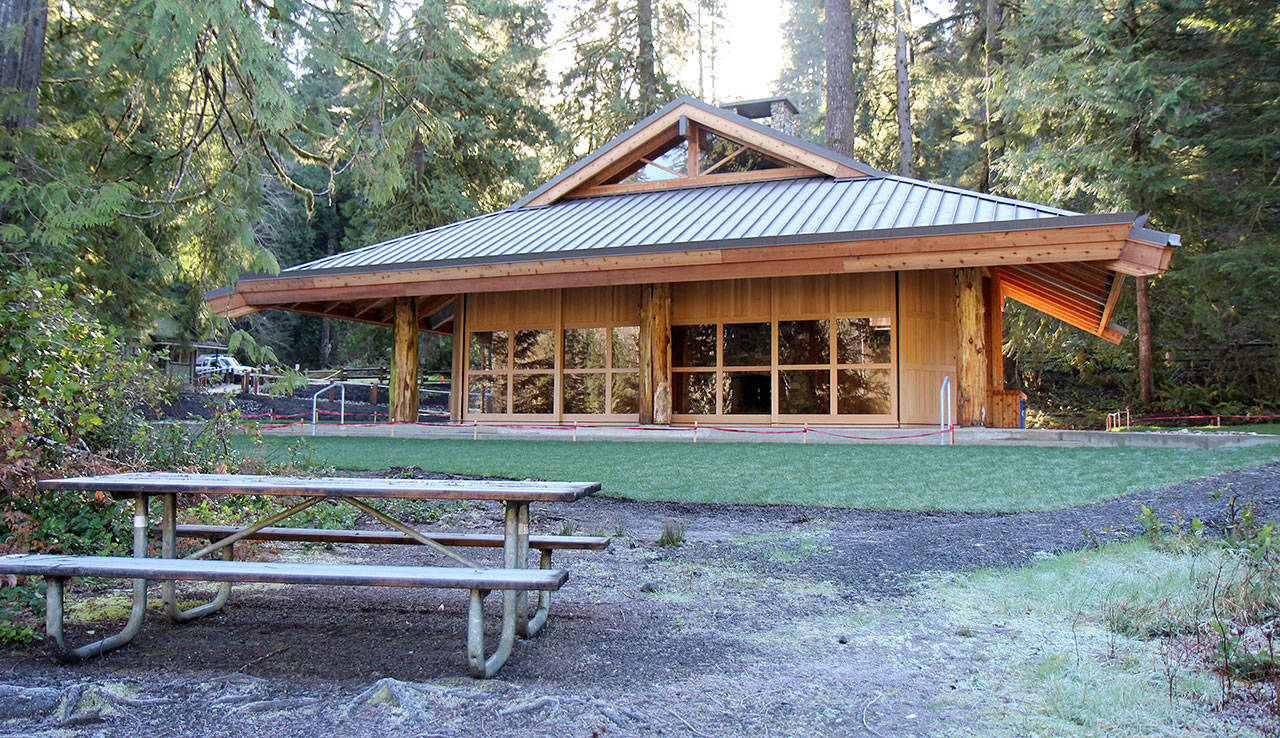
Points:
(705, 267)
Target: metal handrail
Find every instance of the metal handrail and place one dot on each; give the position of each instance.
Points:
(946, 417)
(342, 407)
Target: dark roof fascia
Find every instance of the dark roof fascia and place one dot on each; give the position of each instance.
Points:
(222, 291)
(726, 114)
(767, 101)
(1026, 224)
(1158, 238)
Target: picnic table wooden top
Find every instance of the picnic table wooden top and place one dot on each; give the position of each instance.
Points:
(127, 485)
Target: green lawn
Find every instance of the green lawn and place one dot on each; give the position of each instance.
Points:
(1268, 428)
(976, 478)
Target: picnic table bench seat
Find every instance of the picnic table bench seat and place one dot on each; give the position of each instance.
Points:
(526, 627)
(328, 535)
(57, 568)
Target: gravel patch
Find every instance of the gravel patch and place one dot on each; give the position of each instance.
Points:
(741, 630)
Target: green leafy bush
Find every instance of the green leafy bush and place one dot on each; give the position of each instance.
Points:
(72, 401)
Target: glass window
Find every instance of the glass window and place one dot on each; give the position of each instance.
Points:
(488, 351)
(584, 348)
(804, 392)
(626, 347)
(746, 344)
(694, 393)
(863, 392)
(863, 341)
(486, 394)
(804, 342)
(584, 393)
(535, 349)
(746, 393)
(693, 345)
(532, 393)
(626, 393)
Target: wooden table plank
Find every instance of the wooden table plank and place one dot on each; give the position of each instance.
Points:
(207, 570)
(328, 535)
(126, 485)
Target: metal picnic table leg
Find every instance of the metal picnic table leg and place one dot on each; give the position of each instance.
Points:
(539, 618)
(169, 549)
(515, 555)
(137, 613)
(515, 549)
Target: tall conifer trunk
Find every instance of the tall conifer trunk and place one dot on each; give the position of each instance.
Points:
(901, 56)
(22, 27)
(326, 328)
(1146, 383)
(993, 132)
(838, 38)
(646, 64)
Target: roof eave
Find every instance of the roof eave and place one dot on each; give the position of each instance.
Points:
(1068, 221)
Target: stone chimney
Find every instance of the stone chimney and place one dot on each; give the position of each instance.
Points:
(780, 111)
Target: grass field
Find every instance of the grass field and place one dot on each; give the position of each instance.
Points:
(1267, 428)
(974, 478)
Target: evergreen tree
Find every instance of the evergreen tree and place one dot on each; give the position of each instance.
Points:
(625, 53)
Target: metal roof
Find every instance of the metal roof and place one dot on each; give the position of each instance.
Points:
(809, 210)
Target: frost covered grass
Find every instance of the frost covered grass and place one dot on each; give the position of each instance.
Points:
(945, 478)
(1053, 659)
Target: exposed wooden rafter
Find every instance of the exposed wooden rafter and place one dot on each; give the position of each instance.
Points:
(679, 124)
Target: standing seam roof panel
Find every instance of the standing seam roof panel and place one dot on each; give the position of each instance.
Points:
(714, 226)
(928, 209)
(769, 217)
(750, 213)
(802, 206)
(849, 218)
(910, 209)
(885, 197)
(845, 198)
(697, 215)
(661, 229)
(816, 209)
(773, 217)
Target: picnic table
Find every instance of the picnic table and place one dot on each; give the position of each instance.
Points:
(515, 578)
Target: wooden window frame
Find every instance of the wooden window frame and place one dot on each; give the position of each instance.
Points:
(775, 368)
(608, 370)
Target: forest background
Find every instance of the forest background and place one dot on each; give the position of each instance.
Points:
(154, 149)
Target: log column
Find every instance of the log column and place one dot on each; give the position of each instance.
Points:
(655, 354)
(404, 362)
(995, 331)
(458, 377)
(973, 371)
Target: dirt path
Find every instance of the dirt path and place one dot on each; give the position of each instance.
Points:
(737, 632)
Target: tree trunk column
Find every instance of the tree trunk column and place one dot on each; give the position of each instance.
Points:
(972, 358)
(1146, 382)
(655, 354)
(995, 331)
(404, 362)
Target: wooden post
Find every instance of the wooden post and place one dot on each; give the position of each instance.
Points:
(458, 377)
(995, 331)
(404, 362)
(655, 354)
(973, 372)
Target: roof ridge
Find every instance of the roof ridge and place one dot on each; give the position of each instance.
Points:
(974, 193)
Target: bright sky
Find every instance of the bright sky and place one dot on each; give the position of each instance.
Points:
(749, 44)
(750, 52)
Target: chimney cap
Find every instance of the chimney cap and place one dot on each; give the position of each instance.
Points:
(762, 108)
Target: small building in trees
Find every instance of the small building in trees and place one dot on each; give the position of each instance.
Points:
(704, 267)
